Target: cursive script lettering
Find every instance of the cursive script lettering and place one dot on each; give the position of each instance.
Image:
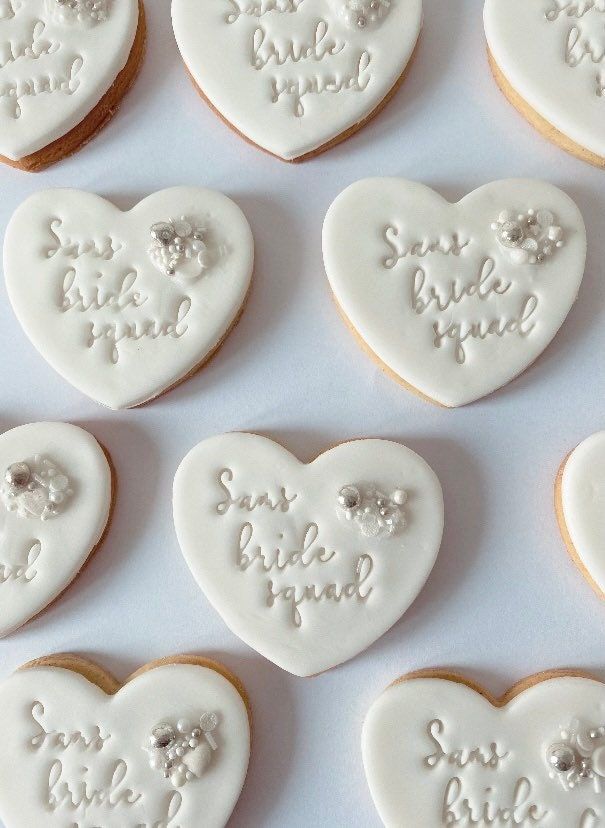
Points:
(23, 571)
(573, 8)
(117, 332)
(250, 502)
(266, 51)
(458, 809)
(34, 48)
(580, 47)
(73, 795)
(460, 757)
(75, 249)
(13, 93)
(483, 286)
(92, 741)
(295, 596)
(76, 297)
(460, 332)
(296, 90)
(448, 246)
(259, 8)
(277, 559)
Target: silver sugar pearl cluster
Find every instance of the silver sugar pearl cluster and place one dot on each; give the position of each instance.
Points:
(173, 243)
(374, 513)
(579, 757)
(359, 14)
(90, 12)
(35, 489)
(183, 752)
(530, 237)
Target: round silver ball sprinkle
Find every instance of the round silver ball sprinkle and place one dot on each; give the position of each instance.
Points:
(208, 722)
(361, 22)
(511, 234)
(562, 758)
(349, 497)
(399, 497)
(161, 736)
(184, 726)
(18, 475)
(163, 233)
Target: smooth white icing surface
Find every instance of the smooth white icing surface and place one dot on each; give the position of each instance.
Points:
(54, 72)
(408, 791)
(432, 292)
(583, 503)
(90, 296)
(304, 628)
(39, 558)
(34, 776)
(291, 75)
(552, 52)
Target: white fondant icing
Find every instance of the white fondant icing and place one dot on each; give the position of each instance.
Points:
(437, 753)
(291, 75)
(54, 71)
(552, 52)
(61, 732)
(329, 592)
(97, 307)
(434, 294)
(583, 504)
(40, 558)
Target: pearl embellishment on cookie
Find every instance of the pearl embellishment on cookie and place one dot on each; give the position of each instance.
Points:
(579, 757)
(529, 238)
(18, 475)
(173, 243)
(183, 752)
(34, 490)
(81, 11)
(374, 513)
(359, 14)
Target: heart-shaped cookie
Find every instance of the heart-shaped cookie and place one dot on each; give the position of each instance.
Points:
(65, 66)
(296, 77)
(438, 751)
(454, 300)
(126, 305)
(548, 57)
(308, 564)
(55, 502)
(80, 749)
(580, 507)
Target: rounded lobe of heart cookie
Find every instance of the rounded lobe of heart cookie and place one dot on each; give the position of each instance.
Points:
(552, 53)
(437, 752)
(292, 76)
(53, 514)
(61, 60)
(71, 752)
(454, 300)
(125, 305)
(581, 505)
(309, 564)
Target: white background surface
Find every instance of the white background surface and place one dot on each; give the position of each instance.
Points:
(504, 600)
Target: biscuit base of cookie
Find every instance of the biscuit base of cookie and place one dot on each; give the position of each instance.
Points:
(509, 695)
(200, 365)
(541, 124)
(333, 142)
(565, 531)
(96, 547)
(106, 682)
(97, 118)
